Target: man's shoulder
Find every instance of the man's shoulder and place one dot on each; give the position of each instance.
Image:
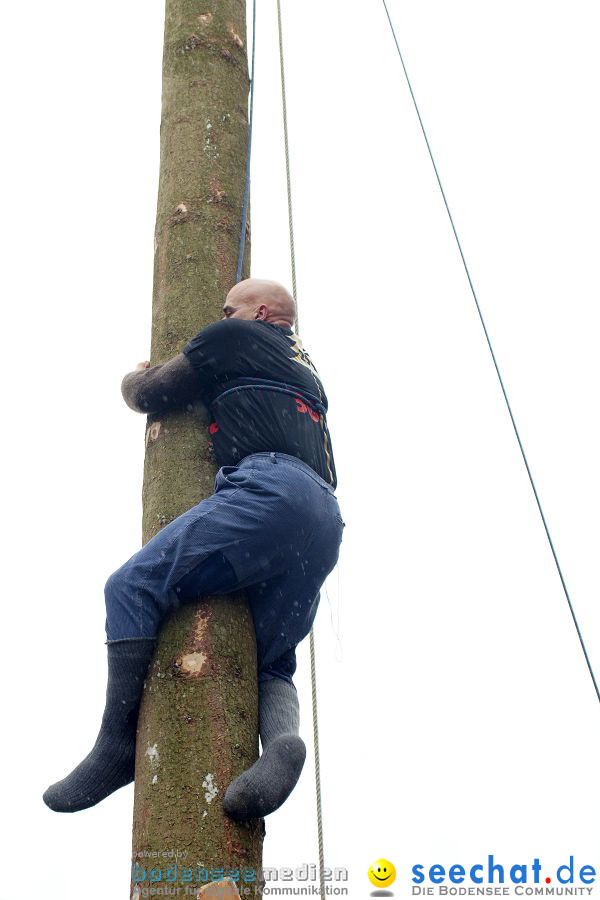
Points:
(234, 331)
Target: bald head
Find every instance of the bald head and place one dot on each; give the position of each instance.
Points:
(256, 298)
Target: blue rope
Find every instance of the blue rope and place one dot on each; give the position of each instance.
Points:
(496, 366)
(238, 274)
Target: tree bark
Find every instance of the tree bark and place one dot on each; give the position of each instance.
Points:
(198, 721)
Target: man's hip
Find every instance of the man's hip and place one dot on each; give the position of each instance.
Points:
(280, 510)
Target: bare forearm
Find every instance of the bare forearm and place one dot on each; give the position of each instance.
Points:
(153, 389)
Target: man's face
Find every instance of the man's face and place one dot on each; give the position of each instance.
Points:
(239, 309)
(240, 305)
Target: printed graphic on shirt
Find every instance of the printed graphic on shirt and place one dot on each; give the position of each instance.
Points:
(301, 356)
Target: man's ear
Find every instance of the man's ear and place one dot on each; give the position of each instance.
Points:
(261, 312)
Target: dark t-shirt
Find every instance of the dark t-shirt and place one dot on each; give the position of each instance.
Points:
(263, 392)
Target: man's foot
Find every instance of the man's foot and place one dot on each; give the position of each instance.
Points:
(111, 762)
(109, 766)
(262, 788)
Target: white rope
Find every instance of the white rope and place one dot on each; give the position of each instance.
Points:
(313, 663)
(313, 681)
(287, 160)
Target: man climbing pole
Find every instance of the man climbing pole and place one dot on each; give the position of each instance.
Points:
(272, 527)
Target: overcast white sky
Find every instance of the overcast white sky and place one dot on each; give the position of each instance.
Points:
(457, 716)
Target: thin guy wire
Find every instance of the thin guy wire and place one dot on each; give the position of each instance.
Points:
(489, 343)
(313, 661)
(242, 249)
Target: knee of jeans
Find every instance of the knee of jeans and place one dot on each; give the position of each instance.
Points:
(117, 585)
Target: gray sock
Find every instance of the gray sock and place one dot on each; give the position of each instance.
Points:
(263, 787)
(111, 762)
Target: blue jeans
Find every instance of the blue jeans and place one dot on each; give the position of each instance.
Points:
(272, 528)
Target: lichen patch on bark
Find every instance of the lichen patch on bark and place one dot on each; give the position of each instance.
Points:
(210, 787)
(153, 754)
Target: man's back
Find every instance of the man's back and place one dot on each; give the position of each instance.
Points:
(263, 392)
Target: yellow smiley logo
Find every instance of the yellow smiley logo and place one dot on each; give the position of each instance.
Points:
(382, 873)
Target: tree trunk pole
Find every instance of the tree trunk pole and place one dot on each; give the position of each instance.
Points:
(198, 721)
